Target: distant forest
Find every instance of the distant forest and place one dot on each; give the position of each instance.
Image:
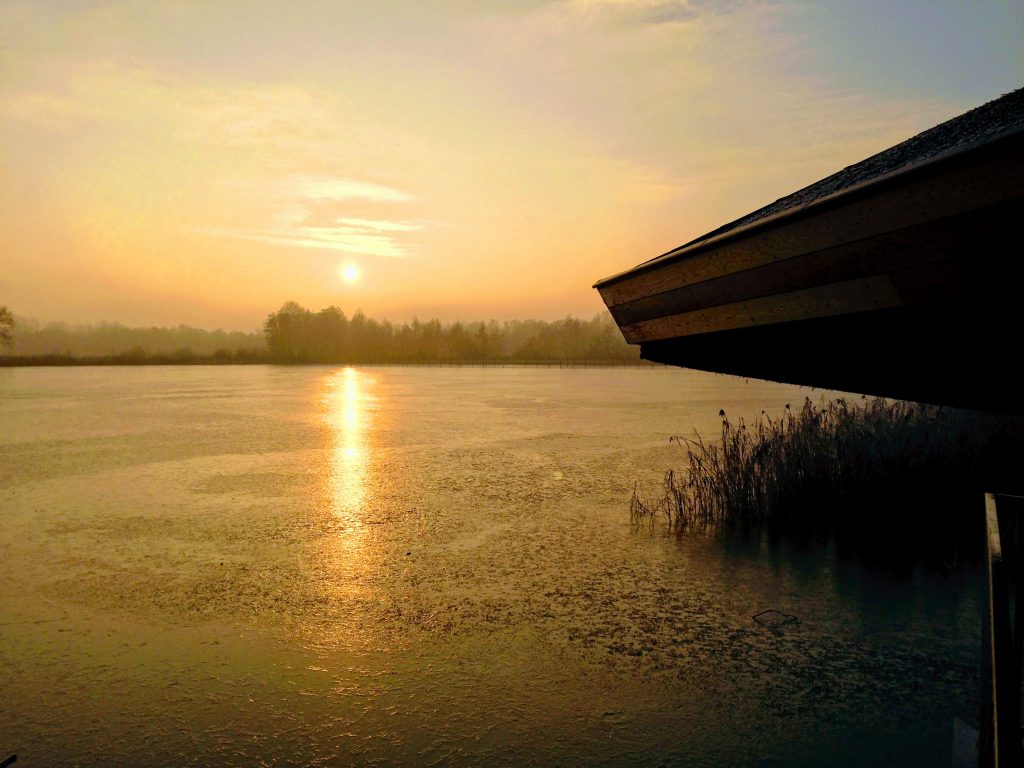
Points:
(30, 337)
(295, 334)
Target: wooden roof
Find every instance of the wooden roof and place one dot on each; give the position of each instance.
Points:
(916, 246)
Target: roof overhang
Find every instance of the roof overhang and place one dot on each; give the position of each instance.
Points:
(907, 285)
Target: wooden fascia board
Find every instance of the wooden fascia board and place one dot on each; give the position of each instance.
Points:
(977, 235)
(846, 297)
(992, 174)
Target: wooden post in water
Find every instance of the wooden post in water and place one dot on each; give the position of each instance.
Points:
(999, 743)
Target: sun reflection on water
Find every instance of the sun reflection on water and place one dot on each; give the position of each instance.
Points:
(345, 552)
(350, 406)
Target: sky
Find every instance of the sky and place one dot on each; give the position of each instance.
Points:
(188, 162)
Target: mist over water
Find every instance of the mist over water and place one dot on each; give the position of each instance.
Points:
(334, 566)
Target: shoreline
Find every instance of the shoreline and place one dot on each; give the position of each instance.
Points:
(66, 361)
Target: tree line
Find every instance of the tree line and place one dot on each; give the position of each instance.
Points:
(297, 335)
(29, 337)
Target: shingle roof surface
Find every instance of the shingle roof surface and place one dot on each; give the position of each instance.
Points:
(971, 128)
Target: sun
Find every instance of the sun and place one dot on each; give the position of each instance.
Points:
(348, 272)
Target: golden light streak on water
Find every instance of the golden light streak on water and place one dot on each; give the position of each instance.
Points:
(346, 553)
(349, 410)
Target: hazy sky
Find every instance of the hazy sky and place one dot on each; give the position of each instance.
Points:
(202, 162)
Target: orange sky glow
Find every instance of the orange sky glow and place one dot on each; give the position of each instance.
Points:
(201, 163)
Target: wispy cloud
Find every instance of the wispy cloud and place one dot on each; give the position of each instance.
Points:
(345, 239)
(664, 10)
(301, 221)
(333, 188)
(381, 226)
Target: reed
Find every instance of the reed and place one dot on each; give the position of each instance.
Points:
(839, 464)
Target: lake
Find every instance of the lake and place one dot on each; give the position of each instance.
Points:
(280, 566)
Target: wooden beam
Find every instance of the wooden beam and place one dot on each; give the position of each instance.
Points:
(860, 295)
(1000, 743)
(977, 232)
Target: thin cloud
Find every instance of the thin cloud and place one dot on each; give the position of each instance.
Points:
(300, 221)
(336, 188)
(361, 236)
(330, 239)
(663, 11)
(380, 226)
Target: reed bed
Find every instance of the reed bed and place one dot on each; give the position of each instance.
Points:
(874, 463)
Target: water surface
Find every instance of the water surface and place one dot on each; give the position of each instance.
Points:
(334, 566)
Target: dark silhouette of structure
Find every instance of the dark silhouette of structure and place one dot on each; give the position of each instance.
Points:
(898, 276)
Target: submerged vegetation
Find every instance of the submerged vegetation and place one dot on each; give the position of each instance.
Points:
(876, 468)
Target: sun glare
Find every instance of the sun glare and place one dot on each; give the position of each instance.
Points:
(349, 273)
